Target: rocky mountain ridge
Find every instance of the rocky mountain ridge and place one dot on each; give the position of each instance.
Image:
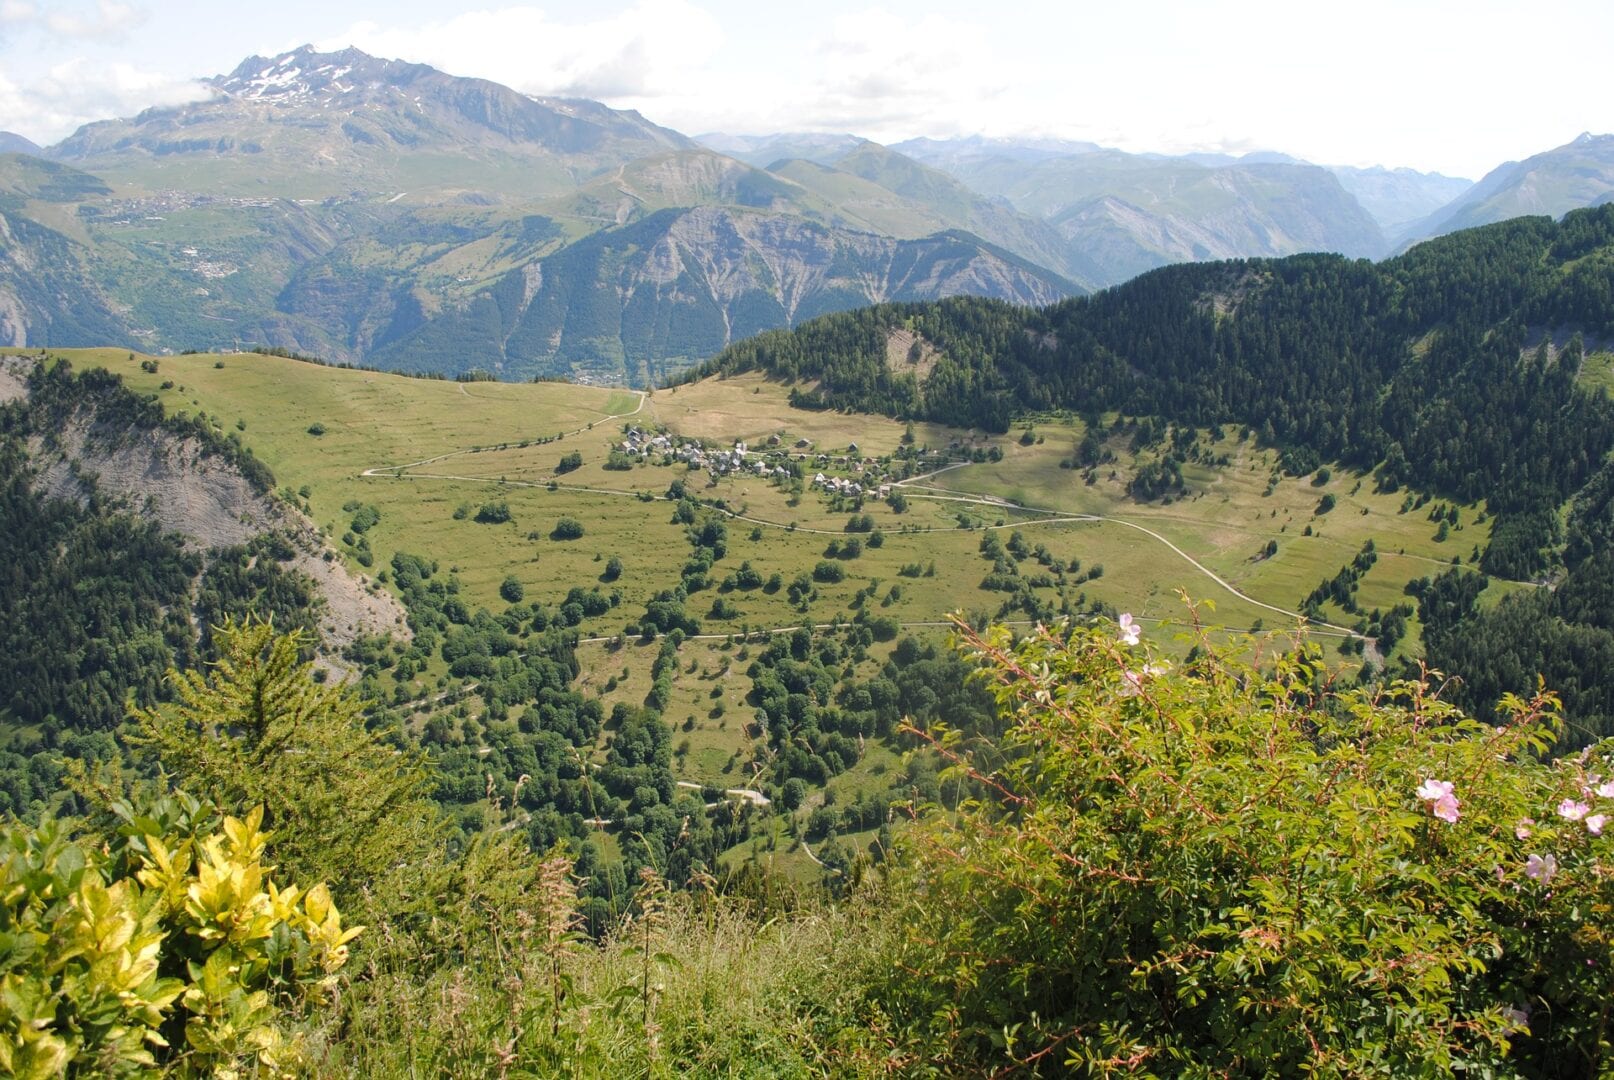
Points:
(363, 209)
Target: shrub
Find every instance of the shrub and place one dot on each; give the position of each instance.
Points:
(512, 590)
(493, 513)
(573, 460)
(1248, 870)
(567, 529)
(316, 428)
(168, 947)
(366, 518)
(828, 572)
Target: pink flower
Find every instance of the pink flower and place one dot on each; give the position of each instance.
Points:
(1131, 683)
(1606, 789)
(1516, 1020)
(1445, 808)
(1129, 629)
(1434, 790)
(1594, 824)
(1522, 830)
(1540, 868)
(1573, 810)
(1443, 804)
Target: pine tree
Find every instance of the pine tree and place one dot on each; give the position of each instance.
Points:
(256, 728)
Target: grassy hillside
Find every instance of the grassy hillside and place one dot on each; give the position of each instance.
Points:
(998, 526)
(431, 445)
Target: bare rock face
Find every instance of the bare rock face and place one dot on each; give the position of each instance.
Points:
(201, 497)
(13, 381)
(633, 304)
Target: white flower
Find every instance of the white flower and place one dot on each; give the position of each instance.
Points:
(1606, 789)
(1129, 629)
(1433, 790)
(1516, 1020)
(1523, 829)
(1595, 823)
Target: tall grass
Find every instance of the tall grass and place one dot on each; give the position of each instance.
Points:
(690, 985)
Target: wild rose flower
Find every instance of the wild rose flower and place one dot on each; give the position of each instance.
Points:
(1573, 810)
(1523, 829)
(1131, 683)
(1606, 789)
(1434, 790)
(1540, 868)
(1129, 629)
(1595, 823)
(1517, 1020)
(1443, 804)
(1445, 808)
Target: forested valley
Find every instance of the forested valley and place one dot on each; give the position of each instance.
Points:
(457, 848)
(1455, 369)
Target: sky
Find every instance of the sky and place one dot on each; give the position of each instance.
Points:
(1438, 86)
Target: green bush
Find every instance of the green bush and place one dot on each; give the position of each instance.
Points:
(1228, 870)
(828, 572)
(169, 948)
(567, 529)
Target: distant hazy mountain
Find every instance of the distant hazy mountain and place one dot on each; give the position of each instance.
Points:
(312, 124)
(1122, 214)
(384, 212)
(875, 187)
(12, 143)
(948, 154)
(1216, 161)
(47, 294)
(631, 304)
(764, 150)
(1396, 197)
(371, 210)
(1580, 173)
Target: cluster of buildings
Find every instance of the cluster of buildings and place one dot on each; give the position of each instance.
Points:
(717, 462)
(840, 485)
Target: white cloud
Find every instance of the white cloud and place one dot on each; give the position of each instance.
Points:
(78, 91)
(881, 73)
(646, 51)
(109, 20)
(106, 20)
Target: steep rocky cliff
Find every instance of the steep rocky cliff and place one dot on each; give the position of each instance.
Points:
(97, 447)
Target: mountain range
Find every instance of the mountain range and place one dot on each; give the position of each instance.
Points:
(381, 212)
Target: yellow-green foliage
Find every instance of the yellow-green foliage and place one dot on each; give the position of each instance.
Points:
(170, 949)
